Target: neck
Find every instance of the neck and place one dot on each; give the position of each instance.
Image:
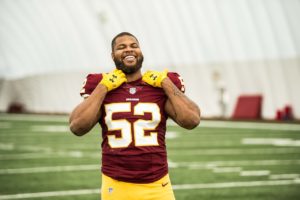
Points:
(133, 77)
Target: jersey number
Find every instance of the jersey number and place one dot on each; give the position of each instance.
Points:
(138, 127)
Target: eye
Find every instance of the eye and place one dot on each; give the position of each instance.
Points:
(134, 45)
(122, 46)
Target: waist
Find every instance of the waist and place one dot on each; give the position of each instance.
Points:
(139, 168)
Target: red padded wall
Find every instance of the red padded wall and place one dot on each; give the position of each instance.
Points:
(248, 107)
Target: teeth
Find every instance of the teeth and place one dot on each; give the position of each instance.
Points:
(129, 58)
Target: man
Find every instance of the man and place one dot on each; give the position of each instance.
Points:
(132, 109)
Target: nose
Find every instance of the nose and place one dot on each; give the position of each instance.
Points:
(128, 48)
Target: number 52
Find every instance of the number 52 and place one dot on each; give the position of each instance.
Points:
(138, 127)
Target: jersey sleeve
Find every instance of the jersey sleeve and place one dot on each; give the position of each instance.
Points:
(89, 84)
(177, 80)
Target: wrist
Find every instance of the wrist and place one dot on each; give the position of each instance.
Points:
(103, 87)
(165, 82)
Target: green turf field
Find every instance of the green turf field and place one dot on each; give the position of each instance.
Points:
(41, 159)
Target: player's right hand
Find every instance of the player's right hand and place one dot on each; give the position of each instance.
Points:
(113, 79)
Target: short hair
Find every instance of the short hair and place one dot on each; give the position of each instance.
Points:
(113, 42)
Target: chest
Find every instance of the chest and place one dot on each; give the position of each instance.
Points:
(135, 102)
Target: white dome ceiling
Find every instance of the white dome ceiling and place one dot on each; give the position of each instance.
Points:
(253, 46)
(62, 35)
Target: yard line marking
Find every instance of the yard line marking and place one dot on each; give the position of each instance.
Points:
(171, 134)
(5, 125)
(79, 154)
(7, 146)
(12, 146)
(50, 194)
(227, 169)
(58, 154)
(250, 125)
(238, 163)
(97, 154)
(33, 148)
(23, 156)
(235, 184)
(34, 117)
(271, 141)
(237, 151)
(190, 165)
(41, 149)
(204, 123)
(255, 173)
(50, 128)
(175, 187)
(50, 169)
(284, 176)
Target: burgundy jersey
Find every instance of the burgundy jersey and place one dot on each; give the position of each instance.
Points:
(133, 122)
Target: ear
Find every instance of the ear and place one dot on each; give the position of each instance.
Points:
(112, 55)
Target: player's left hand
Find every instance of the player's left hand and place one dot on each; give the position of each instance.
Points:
(155, 78)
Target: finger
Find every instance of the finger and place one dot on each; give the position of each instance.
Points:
(147, 73)
(122, 75)
(124, 80)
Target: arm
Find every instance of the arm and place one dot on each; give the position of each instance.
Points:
(179, 107)
(84, 117)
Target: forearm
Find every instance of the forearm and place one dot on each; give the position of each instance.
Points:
(86, 114)
(184, 111)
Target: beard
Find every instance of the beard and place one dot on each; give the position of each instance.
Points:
(129, 69)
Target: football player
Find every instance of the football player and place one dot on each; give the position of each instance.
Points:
(132, 109)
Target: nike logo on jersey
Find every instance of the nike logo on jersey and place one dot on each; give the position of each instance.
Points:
(164, 184)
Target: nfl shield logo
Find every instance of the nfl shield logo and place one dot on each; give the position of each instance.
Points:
(132, 90)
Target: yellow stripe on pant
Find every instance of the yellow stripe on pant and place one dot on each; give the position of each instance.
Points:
(119, 190)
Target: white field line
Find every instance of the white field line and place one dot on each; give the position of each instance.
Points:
(284, 176)
(235, 184)
(250, 125)
(7, 146)
(271, 141)
(204, 123)
(51, 169)
(12, 146)
(97, 154)
(24, 156)
(33, 117)
(226, 169)
(255, 173)
(5, 125)
(175, 187)
(41, 152)
(58, 154)
(50, 128)
(214, 164)
(190, 165)
(50, 194)
(172, 134)
(227, 151)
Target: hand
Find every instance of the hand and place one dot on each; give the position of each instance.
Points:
(155, 78)
(113, 79)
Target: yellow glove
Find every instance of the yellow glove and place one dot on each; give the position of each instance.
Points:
(113, 79)
(155, 78)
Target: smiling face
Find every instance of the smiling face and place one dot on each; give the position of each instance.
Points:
(127, 54)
